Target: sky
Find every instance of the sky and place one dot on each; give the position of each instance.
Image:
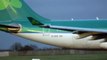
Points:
(58, 10)
(67, 9)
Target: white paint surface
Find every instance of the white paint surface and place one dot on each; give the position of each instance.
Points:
(67, 40)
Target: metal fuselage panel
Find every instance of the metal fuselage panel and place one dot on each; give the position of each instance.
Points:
(67, 40)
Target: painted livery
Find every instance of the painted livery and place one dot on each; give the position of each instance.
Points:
(18, 19)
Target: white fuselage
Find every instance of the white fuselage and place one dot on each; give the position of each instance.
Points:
(67, 40)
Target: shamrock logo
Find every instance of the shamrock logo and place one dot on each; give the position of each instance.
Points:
(11, 4)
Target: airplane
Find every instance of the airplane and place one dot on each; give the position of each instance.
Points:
(17, 18)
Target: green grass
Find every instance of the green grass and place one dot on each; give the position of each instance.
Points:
(59, 57)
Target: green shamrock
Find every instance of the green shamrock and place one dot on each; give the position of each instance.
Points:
(10, 3)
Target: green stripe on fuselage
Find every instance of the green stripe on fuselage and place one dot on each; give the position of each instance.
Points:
(37, 29)
(95, 24)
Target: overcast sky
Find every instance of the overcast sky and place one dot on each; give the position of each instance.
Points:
(67, 9)
(59, 9)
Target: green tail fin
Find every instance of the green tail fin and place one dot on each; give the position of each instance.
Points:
(18, 10)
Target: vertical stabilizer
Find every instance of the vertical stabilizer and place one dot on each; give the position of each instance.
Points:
(12, 10)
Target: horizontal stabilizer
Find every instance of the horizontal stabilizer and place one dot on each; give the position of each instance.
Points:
(8, 28)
